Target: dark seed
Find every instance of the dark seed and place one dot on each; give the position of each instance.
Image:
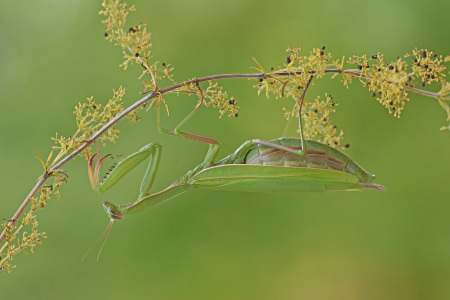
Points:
(348, 145)
(288, 60)
(323, 47)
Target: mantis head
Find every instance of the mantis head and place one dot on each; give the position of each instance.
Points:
(113, 211)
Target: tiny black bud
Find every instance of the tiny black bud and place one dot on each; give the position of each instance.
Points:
(323, 47)
(391, 67)
(316, 111)
(261, 80)
(373, 94)
(415, 60)
(359, 67)
(348, 145)
(288, 60)
(392, 102)
(418, 64)
(236, 114)
(434, 55)
(321, 52)
(163, 64)
(137, 54)
(425, 66)
(374, 56)
(424, 53)
(432, 77)
(106, 34)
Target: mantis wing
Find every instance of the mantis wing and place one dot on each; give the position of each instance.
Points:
(276, 179)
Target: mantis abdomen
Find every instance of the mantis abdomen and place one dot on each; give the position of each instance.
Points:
(317, 155)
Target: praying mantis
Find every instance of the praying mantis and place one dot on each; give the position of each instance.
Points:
(291, 165)
(283, 165)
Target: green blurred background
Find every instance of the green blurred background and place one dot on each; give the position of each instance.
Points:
(217, 245)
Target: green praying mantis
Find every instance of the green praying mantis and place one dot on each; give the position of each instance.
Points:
(284, 165)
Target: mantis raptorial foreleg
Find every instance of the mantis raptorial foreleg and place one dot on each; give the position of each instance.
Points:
(152, 150)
